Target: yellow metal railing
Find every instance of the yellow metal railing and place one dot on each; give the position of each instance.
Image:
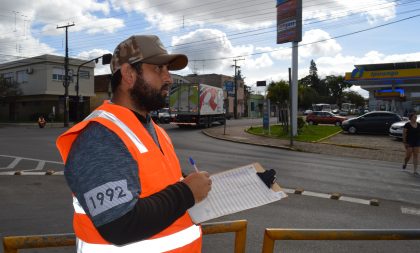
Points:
(12, 244)
(238, 226)
(272, 234)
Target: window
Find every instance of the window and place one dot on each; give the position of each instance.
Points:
(9, 77)
(22, 76)
(58, 74)
(85, 74)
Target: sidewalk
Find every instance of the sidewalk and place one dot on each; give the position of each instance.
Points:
(382, 148)
(35, 125)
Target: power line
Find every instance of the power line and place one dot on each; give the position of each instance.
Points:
(366, 7)
(319, 41)
(252, 33)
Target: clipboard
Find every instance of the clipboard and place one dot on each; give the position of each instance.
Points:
(233, 191)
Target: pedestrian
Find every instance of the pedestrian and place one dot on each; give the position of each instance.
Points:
(411, 140)
(41, 121)
(128, 191)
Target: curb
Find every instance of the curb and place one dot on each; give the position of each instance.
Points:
(334, 134)
(346, 145)
(320, 141)
(247, 142)
(32, 173)
(332, 196)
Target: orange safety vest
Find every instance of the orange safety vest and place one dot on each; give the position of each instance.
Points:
(156, 171)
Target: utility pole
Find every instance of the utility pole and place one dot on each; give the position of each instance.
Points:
(66, 78)
(235, 103)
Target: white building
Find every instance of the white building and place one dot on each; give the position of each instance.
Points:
(41, 81)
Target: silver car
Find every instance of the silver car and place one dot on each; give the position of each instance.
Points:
(396, 129)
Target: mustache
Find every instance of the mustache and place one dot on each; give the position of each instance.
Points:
(165, 87)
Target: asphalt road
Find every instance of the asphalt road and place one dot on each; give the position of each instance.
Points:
(41, 204)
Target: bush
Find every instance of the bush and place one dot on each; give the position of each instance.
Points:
(300, 123)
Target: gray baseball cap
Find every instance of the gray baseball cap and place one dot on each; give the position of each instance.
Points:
(147, 49)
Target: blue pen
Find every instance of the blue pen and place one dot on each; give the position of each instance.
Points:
(193, 164)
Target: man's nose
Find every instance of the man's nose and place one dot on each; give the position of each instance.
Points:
(166, 76)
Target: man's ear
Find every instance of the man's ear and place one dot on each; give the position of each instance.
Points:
(128, 75)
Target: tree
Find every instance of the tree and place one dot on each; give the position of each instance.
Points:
(313, 71)
(354, 98)
(305, 81)
(336, 86)
(315, 82)
(307, 97)
(278, 92)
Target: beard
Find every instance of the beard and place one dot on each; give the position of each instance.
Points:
(145, 97)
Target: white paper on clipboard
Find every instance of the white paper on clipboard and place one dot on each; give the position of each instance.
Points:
(233, 191)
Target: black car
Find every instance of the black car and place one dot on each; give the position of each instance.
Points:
(371, 122)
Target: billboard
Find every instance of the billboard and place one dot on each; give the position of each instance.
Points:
(289, 21)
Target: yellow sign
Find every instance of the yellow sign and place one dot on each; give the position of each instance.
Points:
(360, 74)
(387, 94)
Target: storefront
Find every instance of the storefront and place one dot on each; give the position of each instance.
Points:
(391, 86)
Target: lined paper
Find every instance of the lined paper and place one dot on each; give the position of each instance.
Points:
(233, 191)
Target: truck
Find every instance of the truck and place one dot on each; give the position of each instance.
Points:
(196, 104)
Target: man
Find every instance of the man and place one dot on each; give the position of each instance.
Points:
(128, 191)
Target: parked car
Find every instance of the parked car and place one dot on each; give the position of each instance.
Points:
(164, 115)
(396, 129)
(324, 118)
(307, 112)
(372, 122)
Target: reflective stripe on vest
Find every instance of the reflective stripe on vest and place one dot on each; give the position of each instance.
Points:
(109, 116)
(77, 206)
(161, 244)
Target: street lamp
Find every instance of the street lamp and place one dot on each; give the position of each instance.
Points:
(106, 59)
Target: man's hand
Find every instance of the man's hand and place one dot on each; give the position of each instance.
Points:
(199, 183)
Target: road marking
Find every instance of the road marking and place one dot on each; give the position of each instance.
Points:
(410, 210)
(40, 165)
(355, 200)
(330, 196)
(316, 194)
(14, 163)
(17, 159)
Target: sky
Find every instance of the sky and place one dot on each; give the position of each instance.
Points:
(337, 34)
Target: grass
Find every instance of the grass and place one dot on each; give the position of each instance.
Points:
(309, 133)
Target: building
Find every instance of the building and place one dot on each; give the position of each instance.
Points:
(103, 91)
(41, 81)
(255, 105)
(391, 86)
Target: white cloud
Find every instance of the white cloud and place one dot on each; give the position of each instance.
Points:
(263, 61)
(22, 22)
(239, 14)
(314, 48)
(92, 54)
(46, 15)
(359, 90)
(372, 10)
(209, 44)
(17, 48)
